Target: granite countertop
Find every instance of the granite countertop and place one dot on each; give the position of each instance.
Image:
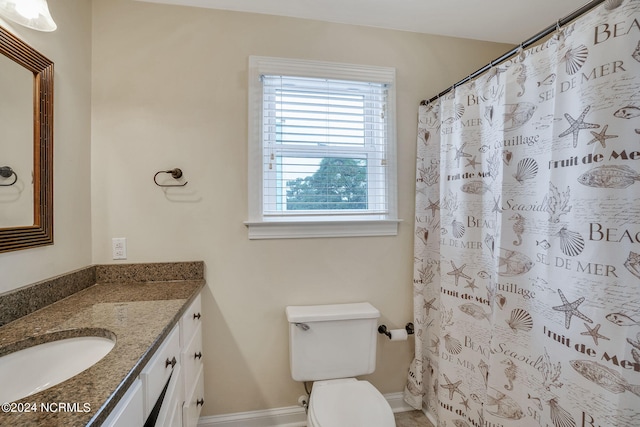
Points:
(138, 314)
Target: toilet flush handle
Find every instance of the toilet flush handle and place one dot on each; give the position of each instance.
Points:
(302, 326)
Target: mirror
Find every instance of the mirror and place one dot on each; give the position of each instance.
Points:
(26, 155)
(16, 147)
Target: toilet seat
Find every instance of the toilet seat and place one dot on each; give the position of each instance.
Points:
(348, 403)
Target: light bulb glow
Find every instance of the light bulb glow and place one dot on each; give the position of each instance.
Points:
(32, 14)
(27, 9)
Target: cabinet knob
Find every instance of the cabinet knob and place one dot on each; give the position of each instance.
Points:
(196, 315)
(171, 362)
(198, 355)
(200, 402)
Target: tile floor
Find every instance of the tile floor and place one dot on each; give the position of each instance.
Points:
(412, 419)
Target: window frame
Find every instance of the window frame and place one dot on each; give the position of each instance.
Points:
(261, 225)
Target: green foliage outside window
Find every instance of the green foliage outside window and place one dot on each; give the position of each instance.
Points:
(339, 183)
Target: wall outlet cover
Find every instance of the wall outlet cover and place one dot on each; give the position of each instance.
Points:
(119, 247)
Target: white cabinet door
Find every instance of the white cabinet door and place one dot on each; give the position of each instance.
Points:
(173, 399)
(154, 376)
(191, 359)
(190, 320)
(194, 403)
(128, 412)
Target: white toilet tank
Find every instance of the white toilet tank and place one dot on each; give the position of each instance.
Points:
(332, 341)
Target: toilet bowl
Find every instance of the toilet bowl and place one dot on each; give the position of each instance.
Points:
(348, 402)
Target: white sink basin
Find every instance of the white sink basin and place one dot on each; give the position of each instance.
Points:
(37, 368)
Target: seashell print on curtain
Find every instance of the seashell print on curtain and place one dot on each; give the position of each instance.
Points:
(527, 236)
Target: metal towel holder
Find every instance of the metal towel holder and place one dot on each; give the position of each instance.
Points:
(6, 172)
(176, 173)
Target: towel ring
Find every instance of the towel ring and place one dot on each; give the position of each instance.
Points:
(176, 173)
(6, 172)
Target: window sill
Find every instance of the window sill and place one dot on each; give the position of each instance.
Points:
(314, 229)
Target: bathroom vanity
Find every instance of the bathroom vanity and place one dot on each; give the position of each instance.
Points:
(154, 313)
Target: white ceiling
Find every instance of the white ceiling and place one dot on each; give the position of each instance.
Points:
(507, 21)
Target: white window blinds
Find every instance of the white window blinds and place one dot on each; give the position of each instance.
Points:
(324, 147)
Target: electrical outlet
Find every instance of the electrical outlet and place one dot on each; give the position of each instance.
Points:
(119, 247)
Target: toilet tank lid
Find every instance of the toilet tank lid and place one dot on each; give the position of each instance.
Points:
(324, 313)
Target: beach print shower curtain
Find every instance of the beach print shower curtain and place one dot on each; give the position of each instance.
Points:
(527, 236)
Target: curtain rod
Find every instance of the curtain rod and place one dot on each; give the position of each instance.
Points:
(551, 28)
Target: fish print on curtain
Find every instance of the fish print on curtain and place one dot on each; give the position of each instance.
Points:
(527, 236)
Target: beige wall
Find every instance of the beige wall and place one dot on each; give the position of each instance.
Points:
(70, 49)
(170, 90)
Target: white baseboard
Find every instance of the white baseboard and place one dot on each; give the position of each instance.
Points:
(290, 416)
(429, 416)
(397, 403)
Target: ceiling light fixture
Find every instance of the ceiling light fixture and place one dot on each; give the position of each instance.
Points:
(33, 14)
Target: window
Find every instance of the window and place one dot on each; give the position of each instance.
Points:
(321, 149)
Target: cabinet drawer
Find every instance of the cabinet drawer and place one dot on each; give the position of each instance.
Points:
(155, 375)
(128, 412)
(194, 402)
(190, 320)
(191, 359)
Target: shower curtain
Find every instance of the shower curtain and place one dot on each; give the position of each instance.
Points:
(527, 236)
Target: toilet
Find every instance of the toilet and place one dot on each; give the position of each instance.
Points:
(331, 345)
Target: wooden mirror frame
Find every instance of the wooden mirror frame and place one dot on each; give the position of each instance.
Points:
(41, 232)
